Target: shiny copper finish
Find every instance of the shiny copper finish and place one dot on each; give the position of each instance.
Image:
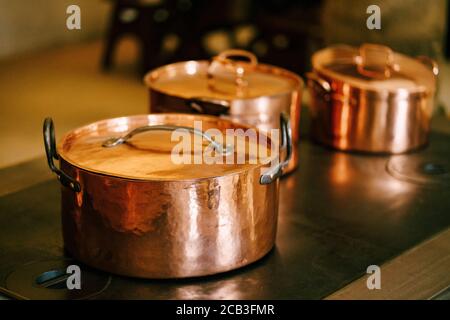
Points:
(168, 229)
(261, 111)
(349, 116)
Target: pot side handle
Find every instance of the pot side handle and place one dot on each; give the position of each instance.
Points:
(315, 79)
(286, 143)
(50, 150)
(430, 63)
(213, 107)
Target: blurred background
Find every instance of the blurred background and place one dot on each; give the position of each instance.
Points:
(80, 76)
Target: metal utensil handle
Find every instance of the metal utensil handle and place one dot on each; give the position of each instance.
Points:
(319, 81)
(112, 142)
(374, 55)
(225, 57)
(286, 143)
(50, 151)
(239, 67)
(204, 105)
(430, 63)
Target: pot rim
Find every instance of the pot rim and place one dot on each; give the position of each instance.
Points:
(143, 180)
(355, 83)
(298, 81)
(424, 92)
(159, 115)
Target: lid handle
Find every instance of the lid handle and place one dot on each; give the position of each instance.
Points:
(237, 61)
(226, 57)
(113, 142)
(375, 61)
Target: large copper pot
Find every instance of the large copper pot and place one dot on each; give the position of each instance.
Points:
(371, 99)
(128, 211)
(233, 85)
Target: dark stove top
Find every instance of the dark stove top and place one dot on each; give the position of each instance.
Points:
(339, 213)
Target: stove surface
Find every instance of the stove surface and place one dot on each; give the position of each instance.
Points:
(339, 213)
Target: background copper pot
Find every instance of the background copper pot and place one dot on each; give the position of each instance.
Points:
(232, 84)
(140, 222)
(371, 99)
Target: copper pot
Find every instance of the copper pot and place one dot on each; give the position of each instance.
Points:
(127, 209)
(233, 85)
(371, 99)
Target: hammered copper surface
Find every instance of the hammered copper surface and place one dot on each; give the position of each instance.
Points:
(166, 229)
(358, 120)
(169, 229)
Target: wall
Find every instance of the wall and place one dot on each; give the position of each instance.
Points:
(30, 25)
(413, 27)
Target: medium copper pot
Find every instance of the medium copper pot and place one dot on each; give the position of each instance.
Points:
(371, 99)
(233, 85)
(127, 210)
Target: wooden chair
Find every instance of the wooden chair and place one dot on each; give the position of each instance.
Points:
(144, 19)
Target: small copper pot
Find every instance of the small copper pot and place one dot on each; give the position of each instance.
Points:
(371, 99)
(232, 85)
(121, 216)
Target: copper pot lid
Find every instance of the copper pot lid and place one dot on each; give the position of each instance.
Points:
(376, 67)
(140, 147)
(233, 74)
